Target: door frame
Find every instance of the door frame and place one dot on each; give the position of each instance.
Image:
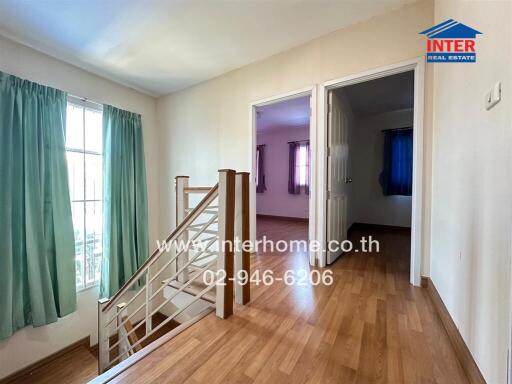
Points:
(418, 66)
(312, 222)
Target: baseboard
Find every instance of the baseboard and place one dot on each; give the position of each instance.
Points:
(459, 345)
(18, 375)
(368, 226)
(286, 218)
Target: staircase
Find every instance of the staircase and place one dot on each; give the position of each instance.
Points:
(198, 270)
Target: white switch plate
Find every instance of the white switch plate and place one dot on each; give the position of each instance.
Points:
(493, 97)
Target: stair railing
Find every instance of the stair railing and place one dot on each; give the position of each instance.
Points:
(140, 298)
(241, 271)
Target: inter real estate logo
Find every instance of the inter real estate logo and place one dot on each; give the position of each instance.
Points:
(451, 42)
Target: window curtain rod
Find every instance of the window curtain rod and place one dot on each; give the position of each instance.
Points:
(84, 102)
(396, 129)
(299, 141)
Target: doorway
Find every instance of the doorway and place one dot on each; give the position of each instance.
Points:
(283, 167)
(334, 157)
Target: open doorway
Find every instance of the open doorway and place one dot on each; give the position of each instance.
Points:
(370, 164)
(282, 171)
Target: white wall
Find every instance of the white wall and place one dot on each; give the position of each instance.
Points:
(207, 127)
(472, 189)
(276, 201)
(369, 204)
(32, 344)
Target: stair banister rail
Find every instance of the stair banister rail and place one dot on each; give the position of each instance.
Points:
(223, 215)
(241, 270)
(179, 230)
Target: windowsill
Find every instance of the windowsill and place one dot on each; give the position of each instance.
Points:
(88, 288)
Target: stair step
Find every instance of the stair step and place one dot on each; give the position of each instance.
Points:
(196, 268)
(194, 288)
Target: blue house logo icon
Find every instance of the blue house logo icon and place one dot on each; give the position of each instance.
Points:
(451, 42)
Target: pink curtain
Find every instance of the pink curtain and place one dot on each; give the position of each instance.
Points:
(260, 181)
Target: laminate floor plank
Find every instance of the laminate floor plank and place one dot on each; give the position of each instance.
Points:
(369, 326)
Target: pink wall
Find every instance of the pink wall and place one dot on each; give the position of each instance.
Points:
(276, 200)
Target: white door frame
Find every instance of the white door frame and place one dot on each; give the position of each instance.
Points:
(311, 91)
(418, 66)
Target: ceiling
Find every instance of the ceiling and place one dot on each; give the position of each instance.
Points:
(289, 113)
(386, 94)
(160, 46)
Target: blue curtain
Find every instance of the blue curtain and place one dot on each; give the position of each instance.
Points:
(125, 214)
(37, 247)
(396, 177)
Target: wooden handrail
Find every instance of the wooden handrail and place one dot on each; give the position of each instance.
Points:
(242, 234)
(180, 228)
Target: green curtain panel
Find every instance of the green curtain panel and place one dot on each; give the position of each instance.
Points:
(125, 216)
(37, 247)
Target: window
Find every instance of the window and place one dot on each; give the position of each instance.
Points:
(302, 164)
(298, 167)
(257, 166)
(396, 177)
(84, 152)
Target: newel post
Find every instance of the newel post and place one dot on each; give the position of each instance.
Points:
(226, 225)
(242, 233)
(182, 205)
(103, 343)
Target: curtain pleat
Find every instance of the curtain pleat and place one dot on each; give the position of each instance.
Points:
(37, 251)
(125, 218)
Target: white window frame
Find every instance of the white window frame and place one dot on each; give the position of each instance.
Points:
(85, 104)
(257, 166)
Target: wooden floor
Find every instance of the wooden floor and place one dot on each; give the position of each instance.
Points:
(370, 326)
(81, 364)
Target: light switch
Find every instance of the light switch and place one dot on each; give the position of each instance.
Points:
(497, 92)
(493, 97)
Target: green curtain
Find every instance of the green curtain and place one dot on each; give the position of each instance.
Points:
(125, 214)
(37, 247)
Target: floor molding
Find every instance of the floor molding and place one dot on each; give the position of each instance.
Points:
(368, 226)
(459, 345)
(18, 375)
(287, 218)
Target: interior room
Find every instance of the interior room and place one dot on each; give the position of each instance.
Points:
(283, 168)
(383, 115)
(374, 150)
(147, 147)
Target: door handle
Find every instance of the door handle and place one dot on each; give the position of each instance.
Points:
(348, 180)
